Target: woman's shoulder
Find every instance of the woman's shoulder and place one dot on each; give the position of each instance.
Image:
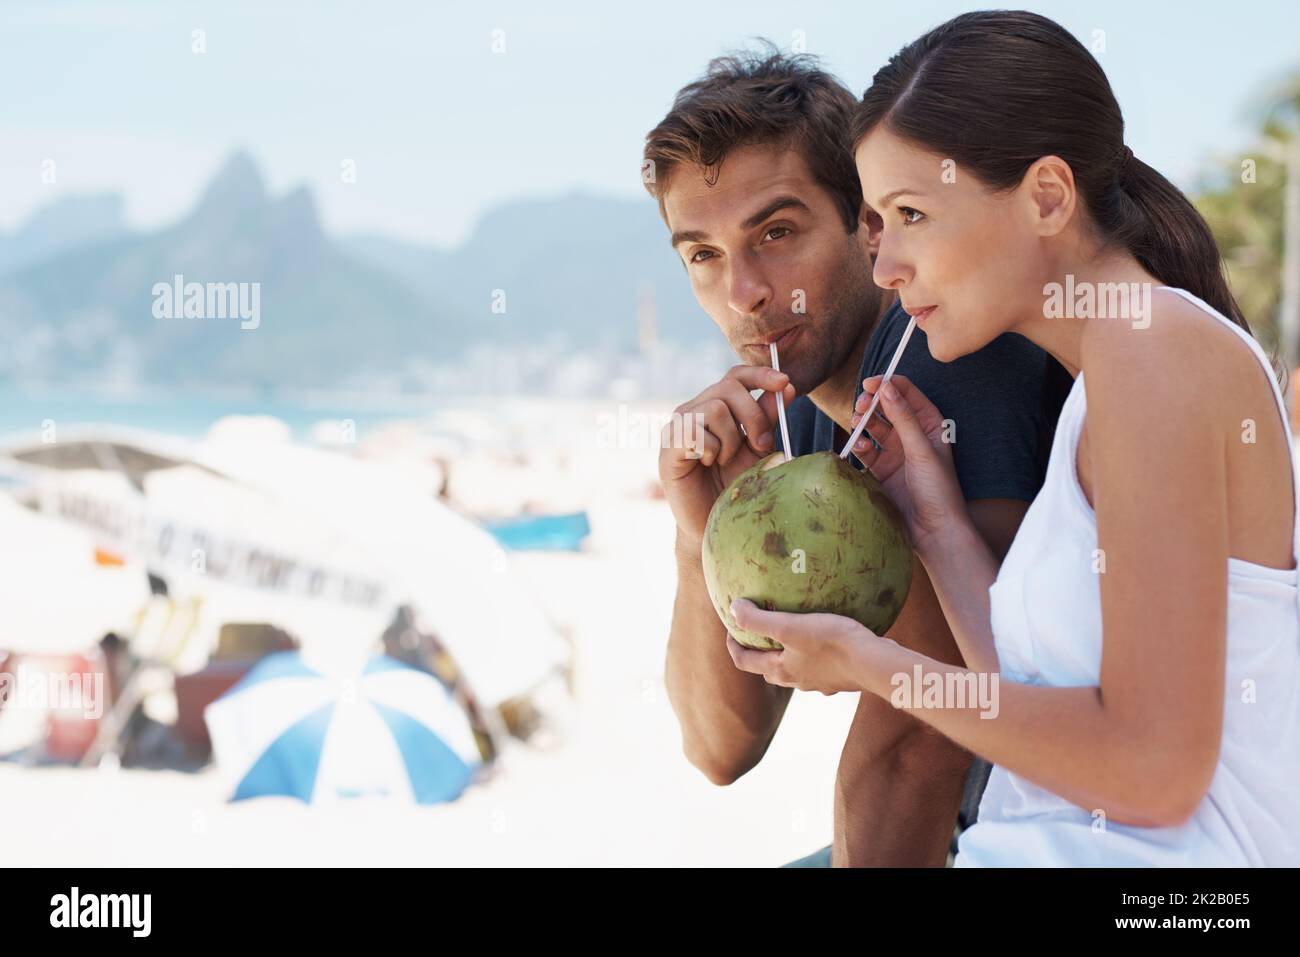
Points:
(1162, 319)
(1174, 352)
(1175, 368)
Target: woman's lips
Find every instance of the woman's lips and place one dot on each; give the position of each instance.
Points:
(923, 314)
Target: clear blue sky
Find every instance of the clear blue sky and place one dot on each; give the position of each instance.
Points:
(442, 128)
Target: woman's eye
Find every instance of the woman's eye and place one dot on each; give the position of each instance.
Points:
(910, 216)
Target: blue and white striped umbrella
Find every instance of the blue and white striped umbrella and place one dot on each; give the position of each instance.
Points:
(391, 731)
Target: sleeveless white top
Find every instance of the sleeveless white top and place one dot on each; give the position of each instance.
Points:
(1046, 620)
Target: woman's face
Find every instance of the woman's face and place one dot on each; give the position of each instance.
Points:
(947, 242)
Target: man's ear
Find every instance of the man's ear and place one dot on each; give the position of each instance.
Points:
(1050, 195)
(870, 227)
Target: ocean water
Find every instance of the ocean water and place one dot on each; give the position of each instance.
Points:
(24, 411)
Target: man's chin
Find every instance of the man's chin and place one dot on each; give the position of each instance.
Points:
(796, 361)
(803, 381)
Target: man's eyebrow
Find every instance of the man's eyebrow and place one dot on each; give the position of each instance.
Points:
(778, 204)
(689, 236)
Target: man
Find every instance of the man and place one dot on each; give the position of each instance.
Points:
(756, 183)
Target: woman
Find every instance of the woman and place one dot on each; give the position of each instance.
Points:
(1145, 627)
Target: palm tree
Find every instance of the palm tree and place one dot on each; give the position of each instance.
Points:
(1244, 199)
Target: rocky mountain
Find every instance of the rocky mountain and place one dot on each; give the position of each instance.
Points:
(62, 224)
(87, 301)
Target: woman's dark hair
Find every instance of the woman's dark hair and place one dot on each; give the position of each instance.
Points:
(997, 90)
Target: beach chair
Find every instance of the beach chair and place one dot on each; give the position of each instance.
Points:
(162, 632)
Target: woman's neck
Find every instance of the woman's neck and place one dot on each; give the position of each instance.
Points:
(1111, 286)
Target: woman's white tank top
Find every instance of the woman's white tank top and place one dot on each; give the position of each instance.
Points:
(1046, 620)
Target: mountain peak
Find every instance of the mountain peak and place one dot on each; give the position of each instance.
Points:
(237, 188)
(298, 208)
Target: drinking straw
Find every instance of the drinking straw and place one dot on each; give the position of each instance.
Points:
(780, 409)
(893, 364)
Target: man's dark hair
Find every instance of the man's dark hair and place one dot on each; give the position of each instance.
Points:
(763, 98)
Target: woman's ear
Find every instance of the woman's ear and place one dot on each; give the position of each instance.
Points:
(1050, 194)
(870, 226)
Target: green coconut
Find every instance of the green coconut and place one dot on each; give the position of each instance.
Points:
(813, 534)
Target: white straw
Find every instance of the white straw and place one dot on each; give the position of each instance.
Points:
(780, 409)
(893, 364)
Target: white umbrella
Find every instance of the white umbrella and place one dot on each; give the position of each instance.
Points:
(450, 570)
(56, 596)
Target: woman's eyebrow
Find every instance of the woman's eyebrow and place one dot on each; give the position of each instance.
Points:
(906, 190)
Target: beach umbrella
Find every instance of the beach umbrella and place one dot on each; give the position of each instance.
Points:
(323, 545)
(387, 731)
(449, 569)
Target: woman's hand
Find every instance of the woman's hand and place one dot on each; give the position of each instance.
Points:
(913, 463)
(826, 653)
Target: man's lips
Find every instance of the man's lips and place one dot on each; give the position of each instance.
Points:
(782, 338)
(919, 313)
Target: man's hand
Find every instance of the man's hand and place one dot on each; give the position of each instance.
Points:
(727, 717)
(714, 437)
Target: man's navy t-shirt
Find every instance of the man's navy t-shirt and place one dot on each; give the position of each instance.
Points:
(1004, 401)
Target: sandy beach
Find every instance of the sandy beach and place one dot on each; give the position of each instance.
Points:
(615, 791)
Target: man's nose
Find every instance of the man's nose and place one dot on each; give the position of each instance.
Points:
(748, 290)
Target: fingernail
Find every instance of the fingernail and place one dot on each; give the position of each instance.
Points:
(889, 391)
(735, 607)
(763, 440)
(860, 445)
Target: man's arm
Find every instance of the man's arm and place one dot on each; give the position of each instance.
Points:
(728, 716)
(899, 785)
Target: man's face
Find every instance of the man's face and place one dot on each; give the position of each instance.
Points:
(769, 258)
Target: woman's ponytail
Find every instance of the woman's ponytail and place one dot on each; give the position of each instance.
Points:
(1152, 218)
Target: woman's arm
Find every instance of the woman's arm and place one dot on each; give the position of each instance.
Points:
(963, 567)
(950, 536)
(1143, 745)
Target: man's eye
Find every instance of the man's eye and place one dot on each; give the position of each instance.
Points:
(700, 256)
(778, 230)
(910, 216)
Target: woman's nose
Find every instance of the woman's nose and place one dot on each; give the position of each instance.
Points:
(888, 271)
